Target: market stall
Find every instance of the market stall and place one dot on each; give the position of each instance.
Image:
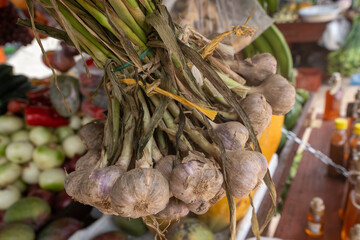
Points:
(137, 120)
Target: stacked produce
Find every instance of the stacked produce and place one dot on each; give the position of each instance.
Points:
(346, 60)
(180, 126)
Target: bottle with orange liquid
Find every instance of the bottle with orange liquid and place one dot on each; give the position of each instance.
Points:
(352, 213)
(354, 144)
(333, 98)
(338, 146)
(350, 183)
(315, 218)
(355, 232)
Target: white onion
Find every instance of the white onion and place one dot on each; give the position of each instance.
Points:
(21, 135)
(9, 173)
(19, 152)
(10, 124)
(52, 179)
(73, 145)
(40, 136)
(30, 173)
(8, 196)
(75, 122)
(63, 132)
(47, 157)
(4, 141)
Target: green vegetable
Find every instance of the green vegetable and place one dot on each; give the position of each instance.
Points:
(40, 136)
(4, 141)
(190, 229)
(282, 143)
(134, 227)
(21, 135)
(16, 231)
(10, 124)
(9, 172)
(19, 152)
(47, 157)
(52, 179)
(63, 132)
(32, 210)
(73, 145)
(304, 94)
(346, 60)
(292, 116)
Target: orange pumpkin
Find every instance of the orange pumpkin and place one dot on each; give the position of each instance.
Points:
(270, 137)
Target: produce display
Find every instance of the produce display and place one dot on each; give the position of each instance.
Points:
(346, 60)
(181, 124)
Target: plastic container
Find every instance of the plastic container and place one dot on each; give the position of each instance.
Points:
(309, 78)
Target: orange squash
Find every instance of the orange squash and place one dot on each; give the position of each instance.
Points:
(218, 216)
(270, 137)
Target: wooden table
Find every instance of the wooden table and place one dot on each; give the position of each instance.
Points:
(311, 181)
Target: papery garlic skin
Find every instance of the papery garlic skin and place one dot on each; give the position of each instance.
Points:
(140, 192)
(196, 178)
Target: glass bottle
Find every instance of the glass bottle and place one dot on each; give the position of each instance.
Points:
(315, 218)
(354, 144)
(355, 232)
(352, 213)
(350, 184)
(333, 98)
(338, 146)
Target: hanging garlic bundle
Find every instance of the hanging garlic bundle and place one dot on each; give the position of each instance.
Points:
(176, 139)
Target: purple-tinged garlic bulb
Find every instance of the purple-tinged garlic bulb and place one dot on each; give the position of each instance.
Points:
(96, 187)
(165, 165)
(196, 179)
(175, 209)
(140, 192)
(233, 134)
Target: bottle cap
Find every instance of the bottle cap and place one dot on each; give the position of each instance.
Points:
(341, 123)
(355, 232)
(357, 129)
(317, 206)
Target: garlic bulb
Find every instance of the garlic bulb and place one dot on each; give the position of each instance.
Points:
(140, 192)
(233, 134)
(96, 187)
(245, 170)
(199, 207)
(92, 134)
(88, 160)
(165, 165)
(175, 209)
(196, 178)
(73, 183)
